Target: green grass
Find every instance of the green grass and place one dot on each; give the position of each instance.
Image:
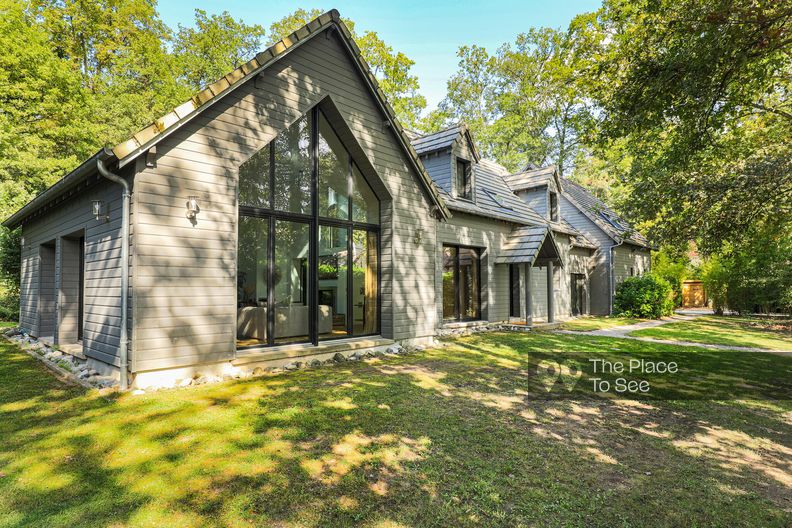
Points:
(588, 324)
(752, 332)
(6, 324)
(464, 435)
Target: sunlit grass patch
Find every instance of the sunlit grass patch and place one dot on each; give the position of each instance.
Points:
(464, 435)
(751, 332)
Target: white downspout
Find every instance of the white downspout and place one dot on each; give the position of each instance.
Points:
(123, 354)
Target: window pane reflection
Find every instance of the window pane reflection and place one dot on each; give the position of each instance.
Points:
(293, 168)
(332, 276)
(365, 282)
(252, 281)
(290, 282)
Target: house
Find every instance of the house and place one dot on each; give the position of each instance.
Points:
(282, 213)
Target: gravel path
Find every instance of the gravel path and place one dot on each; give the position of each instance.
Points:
(622, 332)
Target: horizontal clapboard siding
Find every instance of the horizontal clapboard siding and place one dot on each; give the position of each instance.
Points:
(626, 257)
(599, 280)
(102, 292)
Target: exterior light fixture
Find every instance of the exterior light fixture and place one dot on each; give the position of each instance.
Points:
(98, 209)
(418, 236)
(192, 207)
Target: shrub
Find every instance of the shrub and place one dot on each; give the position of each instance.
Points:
(9, 305)
(715, 275)
(674, 269)
(10, 257)
(647, 297)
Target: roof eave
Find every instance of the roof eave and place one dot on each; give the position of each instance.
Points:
(64, 184)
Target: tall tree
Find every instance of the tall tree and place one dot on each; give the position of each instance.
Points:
(120, 49)
(699, 91)
(392, 68)
(45, 116)
(216, 45)
(526, 104)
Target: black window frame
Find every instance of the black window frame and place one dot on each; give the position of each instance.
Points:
(515, 295)
(464, 179)
(272, 214)
(552, 206)
(457, 291)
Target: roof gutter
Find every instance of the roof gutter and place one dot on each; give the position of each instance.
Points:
(123, 353)
(64, 184)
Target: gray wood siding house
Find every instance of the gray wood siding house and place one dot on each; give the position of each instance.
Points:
(284, 212)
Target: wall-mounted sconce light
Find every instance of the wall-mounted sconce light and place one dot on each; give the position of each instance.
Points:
(192, 207)
(418, 236)
(98, 210)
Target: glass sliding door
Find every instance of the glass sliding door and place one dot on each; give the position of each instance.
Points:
(252, 284)
(333, 279)
(449, 283)
(468, 284)
(290, 282)
(308, 244)
(461, 283)
(365, 282)
(514, 290)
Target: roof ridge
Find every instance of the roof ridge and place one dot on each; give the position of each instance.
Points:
(421, 136)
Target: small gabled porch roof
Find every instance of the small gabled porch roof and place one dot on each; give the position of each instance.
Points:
(531, 244)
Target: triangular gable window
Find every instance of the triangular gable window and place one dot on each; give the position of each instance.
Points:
(308, 241)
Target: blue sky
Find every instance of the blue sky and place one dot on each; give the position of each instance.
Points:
(427, 31)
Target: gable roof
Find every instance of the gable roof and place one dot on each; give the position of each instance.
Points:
(602, 215)
(444, 139)
(531, 178)
(525, 245)
(162, 127)
(493, 198)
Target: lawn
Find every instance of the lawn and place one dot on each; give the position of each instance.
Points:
(752, 332)
(470, 434)
(588, 324)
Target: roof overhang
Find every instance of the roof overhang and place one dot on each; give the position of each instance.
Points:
(68, 183)
(531, 245)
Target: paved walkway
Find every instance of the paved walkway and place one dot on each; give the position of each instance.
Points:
(622, 332)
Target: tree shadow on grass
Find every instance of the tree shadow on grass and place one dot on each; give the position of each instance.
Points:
(445, 437)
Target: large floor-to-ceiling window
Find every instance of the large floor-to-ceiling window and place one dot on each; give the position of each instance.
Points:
(308, 246)
(461, 283)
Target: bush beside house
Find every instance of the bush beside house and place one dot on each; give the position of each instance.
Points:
(10, 270)
(647, 297)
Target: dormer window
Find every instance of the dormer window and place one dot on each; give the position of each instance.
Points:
(552, 206)
(464, 179)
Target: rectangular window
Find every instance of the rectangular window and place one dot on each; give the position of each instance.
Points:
(461, 283)
(553, 207)
(578, 281)
(514, 290)
(365, 282)
(464, 179)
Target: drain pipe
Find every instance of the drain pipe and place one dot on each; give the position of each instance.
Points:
(123, 354)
